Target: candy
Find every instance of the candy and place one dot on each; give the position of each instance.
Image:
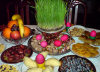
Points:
(38, 37)
(64, 37)
(40, 59)
(57, 43)
(43, 43)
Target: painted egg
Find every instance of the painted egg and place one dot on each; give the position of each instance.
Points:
(43, 43)
(68, 24)
(64, 37)
(93, 33)
(38, 37)
(40, 59)
(57, 43)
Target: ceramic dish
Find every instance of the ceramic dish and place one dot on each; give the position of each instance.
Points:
(15, 54)
(85, 50)
(76, 30)
(73, 63)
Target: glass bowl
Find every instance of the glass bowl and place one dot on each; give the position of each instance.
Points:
(16, 42)
(19, 41)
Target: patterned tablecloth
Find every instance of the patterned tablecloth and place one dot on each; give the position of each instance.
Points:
(23, 68)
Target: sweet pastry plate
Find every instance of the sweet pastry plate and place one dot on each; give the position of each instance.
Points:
(51, 48)
(15, 54)
(73, 63)
(85, 50)
(85, 38)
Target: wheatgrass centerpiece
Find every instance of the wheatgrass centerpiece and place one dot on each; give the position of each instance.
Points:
(50, 18)
(50, 15)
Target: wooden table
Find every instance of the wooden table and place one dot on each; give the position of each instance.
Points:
(23, 68)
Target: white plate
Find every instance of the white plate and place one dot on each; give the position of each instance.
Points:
(82, 56)
(76, 26)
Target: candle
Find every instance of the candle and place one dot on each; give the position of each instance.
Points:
(57, 43)
(43, 43)
(93, 34)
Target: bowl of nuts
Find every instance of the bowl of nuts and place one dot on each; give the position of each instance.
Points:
(76, 30)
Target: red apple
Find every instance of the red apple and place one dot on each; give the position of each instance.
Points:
(15, 35)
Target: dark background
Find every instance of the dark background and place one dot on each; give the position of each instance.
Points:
(92, 20)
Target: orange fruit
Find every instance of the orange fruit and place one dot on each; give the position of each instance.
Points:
(11, 23)
(27, 31)
(6, 33)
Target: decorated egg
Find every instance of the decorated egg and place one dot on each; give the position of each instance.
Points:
(38, 37)
(68, 24)
(93, 33)
(43, 43)
(57, 43)
(64, 37)
(40, 59)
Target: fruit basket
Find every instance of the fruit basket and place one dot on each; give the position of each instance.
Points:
(19, 41)
(16, 42)
(16, 32)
